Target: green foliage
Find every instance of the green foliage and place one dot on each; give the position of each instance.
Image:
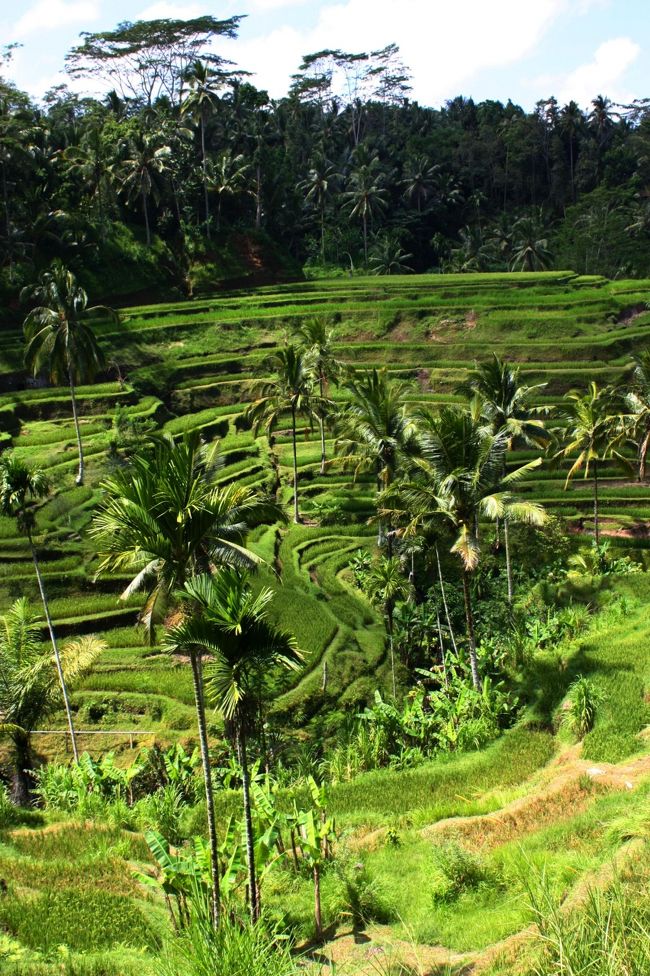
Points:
(456, 871)
(582, 703)
(82, 920)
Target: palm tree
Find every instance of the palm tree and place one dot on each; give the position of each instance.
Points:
(316, 340)
(419, 180)
(637, 404)
(145, 157)
(375, 431)
(20, 487)
(30, 687)
(228, 177)
(59, 339)
(593, 433)
(321, 183)
(201, 100)
(506, 405)
(571, 124)
(229, 622)
(530, 246)
(367, 196)
(166, 519)
(459, 478)
(386, 585)
(388, 257)
(291, 390)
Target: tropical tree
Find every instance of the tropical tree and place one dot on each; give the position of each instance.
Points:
(316, 339)
(30, 688)
(507, 405)
(145, 157)
(386, 585)
(20, 487)
(321, 183)
(367, 196)
(593, 434)
(375, 432)
(59, 337)
(166, 519)
(290, 391)
(202, 98)
(388, 257)
(637, 405)
(530, 246)
(228, 178)
(419, 182)
(229, 622)
(458, 478)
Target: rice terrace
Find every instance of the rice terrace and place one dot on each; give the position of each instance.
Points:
(324, 522)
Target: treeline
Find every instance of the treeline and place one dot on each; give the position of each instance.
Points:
(184, 156)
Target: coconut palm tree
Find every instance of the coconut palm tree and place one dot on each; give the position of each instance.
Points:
(202, 98)
(321, 183)
(530, 246)
(637, 405)
(166, 519)
(386, 585)
(290, 391)
(388, 257)
(230, 622)
(507, 405)
(459, 478)
(20, 487)
(228, 178)
(59, 337)
(375, 432)
(144, 158)
(593, 434)
(420, 178)
(316, 338)
(367, 196)
(30, 688)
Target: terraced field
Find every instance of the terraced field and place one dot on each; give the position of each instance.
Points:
(191, 366)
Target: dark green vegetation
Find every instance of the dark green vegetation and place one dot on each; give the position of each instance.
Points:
(186, 177)
(577, 662)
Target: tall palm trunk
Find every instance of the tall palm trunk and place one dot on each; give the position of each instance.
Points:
(365, 240)
(444, 603)
(248, 822)
(296, 514)
(145, 210)
(506, 539)
(197, 681)
(205, 177)
(79, 480)
(22, 779)
(389, 622)
(596, 523)
(469, 618)
(321, 421)
(55, 648)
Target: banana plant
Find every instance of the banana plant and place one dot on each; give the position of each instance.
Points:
(317, 835)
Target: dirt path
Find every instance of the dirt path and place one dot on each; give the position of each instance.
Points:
(564, 788)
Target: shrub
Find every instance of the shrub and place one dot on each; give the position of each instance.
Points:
(582, 701)
(457, 870)
(237, 947)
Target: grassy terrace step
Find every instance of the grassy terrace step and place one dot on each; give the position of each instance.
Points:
(196, 361)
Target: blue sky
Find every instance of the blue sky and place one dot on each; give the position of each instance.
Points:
(522, 49)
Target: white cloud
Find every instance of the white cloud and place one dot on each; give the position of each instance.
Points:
(172, 11)
(444, 44)
(52, 14)
(265, 6)
(604, 75)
